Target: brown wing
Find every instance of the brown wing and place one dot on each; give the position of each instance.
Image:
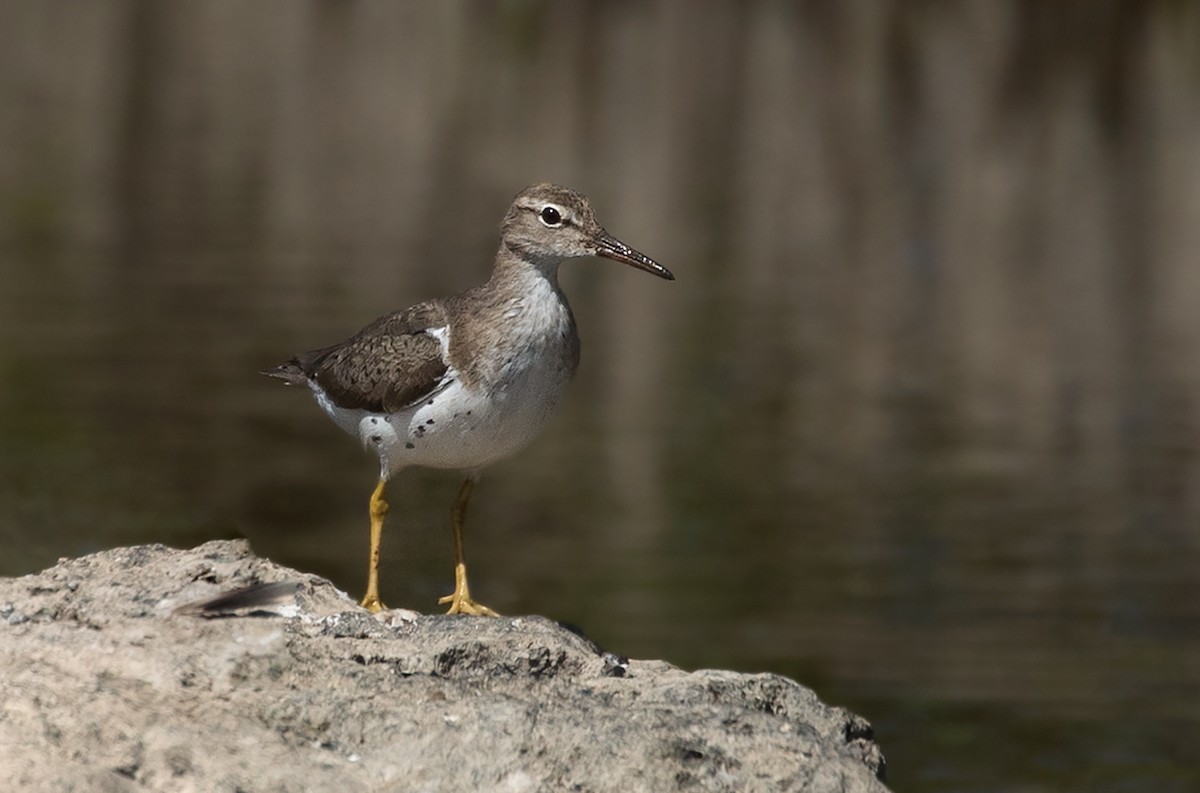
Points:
(387, 366)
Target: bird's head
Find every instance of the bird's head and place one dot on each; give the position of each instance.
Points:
(550, 223)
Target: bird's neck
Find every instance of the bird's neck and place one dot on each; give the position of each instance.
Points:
(524, 294)
(519, 314)
(515, 265)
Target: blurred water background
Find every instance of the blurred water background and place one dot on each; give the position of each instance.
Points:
(917, 425)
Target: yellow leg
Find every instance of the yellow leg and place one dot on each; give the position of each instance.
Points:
(379, 508)
(461, 602)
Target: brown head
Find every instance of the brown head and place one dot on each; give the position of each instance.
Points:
(549, 223)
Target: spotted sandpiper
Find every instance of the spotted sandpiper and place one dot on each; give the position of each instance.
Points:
(464, 381)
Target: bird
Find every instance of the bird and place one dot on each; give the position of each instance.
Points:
(465, 381)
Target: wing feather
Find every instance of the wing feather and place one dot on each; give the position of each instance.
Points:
(389, 365)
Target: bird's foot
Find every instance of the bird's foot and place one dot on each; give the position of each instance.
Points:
(372, 603)
(462, 603)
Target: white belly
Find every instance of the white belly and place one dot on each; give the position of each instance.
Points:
(459, 427)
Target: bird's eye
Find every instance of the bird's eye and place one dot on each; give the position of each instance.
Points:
(551, 216)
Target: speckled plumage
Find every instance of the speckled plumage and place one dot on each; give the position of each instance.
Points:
(464, 381)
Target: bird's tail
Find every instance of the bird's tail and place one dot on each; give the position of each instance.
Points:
(289, 372)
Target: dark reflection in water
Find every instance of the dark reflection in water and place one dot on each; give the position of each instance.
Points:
(917, 424)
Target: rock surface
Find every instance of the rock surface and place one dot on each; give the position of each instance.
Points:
(108, 685)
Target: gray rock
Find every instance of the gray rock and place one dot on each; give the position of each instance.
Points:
(113, 682)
